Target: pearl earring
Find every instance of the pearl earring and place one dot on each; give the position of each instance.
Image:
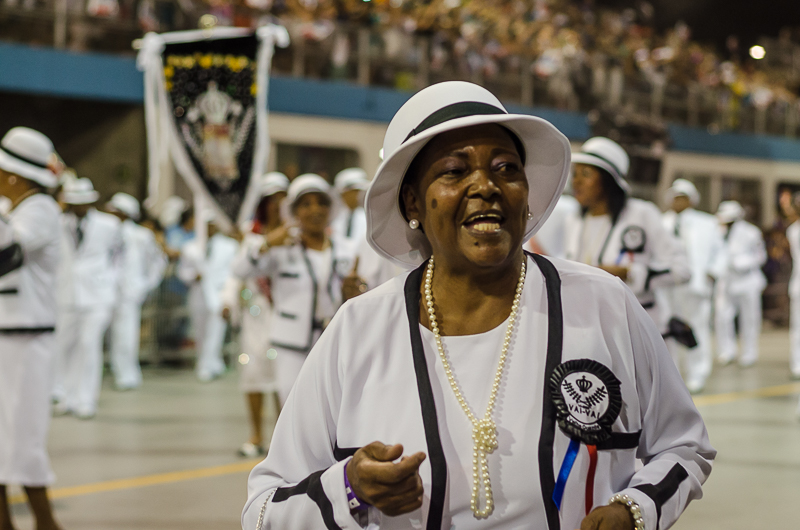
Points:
(530, 216)
(12, 180)
(413, 224)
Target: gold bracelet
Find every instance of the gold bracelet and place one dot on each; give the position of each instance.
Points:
(632, 506)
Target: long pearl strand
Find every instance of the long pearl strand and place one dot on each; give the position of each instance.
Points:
(484, 431)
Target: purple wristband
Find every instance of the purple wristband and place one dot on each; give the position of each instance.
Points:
(352, 499)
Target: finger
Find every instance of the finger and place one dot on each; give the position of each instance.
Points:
(389, 473)
(382, 452)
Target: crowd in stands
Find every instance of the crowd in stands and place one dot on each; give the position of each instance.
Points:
(570, 46)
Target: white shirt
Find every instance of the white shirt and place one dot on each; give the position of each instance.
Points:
(321, 263)
(596, 228)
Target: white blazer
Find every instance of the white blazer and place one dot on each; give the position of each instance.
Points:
(294, 288)
(699, 232)
(356, 220)
(29, 253)
(212, 264)
(89, 272)
(638, 240)
(142, 264)
(747, 253)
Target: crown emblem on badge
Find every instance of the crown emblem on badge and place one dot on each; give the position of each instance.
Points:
(583, 384)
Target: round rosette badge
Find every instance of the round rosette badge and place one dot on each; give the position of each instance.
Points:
(633, 239)
(587, 398)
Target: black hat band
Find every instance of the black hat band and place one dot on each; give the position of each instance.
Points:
(25, 159)
(452, 112)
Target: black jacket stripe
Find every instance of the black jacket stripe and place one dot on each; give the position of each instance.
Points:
(429, 418)
(311, 486)
(555, 344)
(664, 490)
(620, 440)
(340, 453)
(11, 258)
(27, 331)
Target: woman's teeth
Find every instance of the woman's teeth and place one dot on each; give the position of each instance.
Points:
(486, 226)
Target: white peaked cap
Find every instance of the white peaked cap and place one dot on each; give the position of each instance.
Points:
(353, 178)
(729, 211)
(126, 204)
(79, 191)
(307, 183)
(27, 153)
(272, 183)
(685, 188)
(608, 155)
(444, 107)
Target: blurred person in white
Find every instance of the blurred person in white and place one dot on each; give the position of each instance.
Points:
(306, 269)
(700, 235)
(141, 270)
(249, 301)
(738, 291)
(551, 239)
(29, 255)
(618, 233)
(91, 245)
(204, 269)
(448, 397)
(351, 222)
(793, 235)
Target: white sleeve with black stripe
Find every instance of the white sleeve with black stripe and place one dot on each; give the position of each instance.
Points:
(300, 484)
(674, 444)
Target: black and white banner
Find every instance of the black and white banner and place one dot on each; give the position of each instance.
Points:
(206, 113)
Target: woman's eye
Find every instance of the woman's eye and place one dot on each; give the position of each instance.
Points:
(506, 167)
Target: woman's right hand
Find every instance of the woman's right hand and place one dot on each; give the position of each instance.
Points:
(393, 488)
(278, 237)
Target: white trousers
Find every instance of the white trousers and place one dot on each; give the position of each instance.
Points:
(209, 331)
(748, 306)
(80, 366)
(287, 367)
(794, 334)
(125, 333)
(25, 382)
(695, 310)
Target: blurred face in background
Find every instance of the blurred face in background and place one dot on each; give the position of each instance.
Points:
(312, 211)
(587, 186)
(350, 198)
(269, 209)
(680, 203)
(80, 209)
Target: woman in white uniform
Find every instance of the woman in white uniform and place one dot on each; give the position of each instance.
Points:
(29, 254)
(740, 287)
(250, 302)
(493, 389)
(617, 233)
(306, 269)
(793, 235)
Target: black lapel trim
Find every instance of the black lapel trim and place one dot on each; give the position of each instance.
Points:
(27, 331)
(664, 490)
(651, 273)
(11, 258)
(311, 486)
(289, 347)
(620, 440)
(340, 453)
(13, 290)
(555, 344)
(314, 301)
(429, 418)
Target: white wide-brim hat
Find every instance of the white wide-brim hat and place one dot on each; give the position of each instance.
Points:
(685, 188)
(352, 178)
(607, 155)
(444, 107)
(27, 153)
(272, 183)
(79, 191)
(729, 211)
(171, 211)
(126, 204)
(302, 185)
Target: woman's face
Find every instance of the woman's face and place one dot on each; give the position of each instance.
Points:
(312, 211)
(468, 190)
(587, 185)
(269, 209)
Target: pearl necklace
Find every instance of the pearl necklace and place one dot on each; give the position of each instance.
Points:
(484, 431)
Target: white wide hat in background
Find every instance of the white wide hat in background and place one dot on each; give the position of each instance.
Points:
(352, 178)
(272, 183)
(79, 191)
(685, 188)
(729, 211)
(28, 153)
(306, 183)
(126, 204)
(171, 211)
(444, 107)
(608, 155)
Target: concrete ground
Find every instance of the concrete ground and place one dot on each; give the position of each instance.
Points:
(163, 457)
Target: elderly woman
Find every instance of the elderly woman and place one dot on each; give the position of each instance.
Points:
(487, 388)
